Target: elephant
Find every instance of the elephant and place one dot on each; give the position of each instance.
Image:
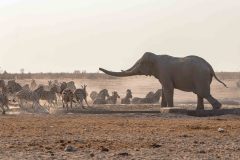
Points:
(190, 74)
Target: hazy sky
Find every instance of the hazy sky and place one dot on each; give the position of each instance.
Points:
(68, 35)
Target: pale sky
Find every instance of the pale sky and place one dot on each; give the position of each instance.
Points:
(68, 35)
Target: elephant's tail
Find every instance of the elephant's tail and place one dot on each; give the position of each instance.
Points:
(219, 80)
(214, 75)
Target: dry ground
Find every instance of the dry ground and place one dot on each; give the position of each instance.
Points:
(130, 135)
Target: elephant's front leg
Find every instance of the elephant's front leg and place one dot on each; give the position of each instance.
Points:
(168, 95)
(164, 101)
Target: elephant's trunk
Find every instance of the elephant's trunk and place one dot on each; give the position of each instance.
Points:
(119, 74)
(134, 70)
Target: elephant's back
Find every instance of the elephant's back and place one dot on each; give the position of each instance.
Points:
(197, 63)
(188, 70)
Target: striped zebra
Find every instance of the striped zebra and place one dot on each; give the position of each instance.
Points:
(33, 85)
(93, 95)
(113, 99)
(81, 94)
(69, 85)
(150, 94)
(26, 87)
(63, 86)
(127, 98)
(67, 97)
(101, 97)
(2, 83)
(238, 84)
(3, 101)
(13, 87)
(50, 96)
(3, 97)
(29, 96)
(149, 99)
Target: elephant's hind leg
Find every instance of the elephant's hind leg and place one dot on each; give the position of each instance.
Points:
(200, 105)
(215, 103)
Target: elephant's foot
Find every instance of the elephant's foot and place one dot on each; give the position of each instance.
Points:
(170, 104)
(216, 105)
(163, 105)
(200, 108)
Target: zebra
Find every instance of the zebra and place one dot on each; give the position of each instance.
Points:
(63, 86)
(3, 97)
(69, 85)
(149, 99)
(126, 99)
(27, 95)
(238, 84)
(26, 87)
(93, 95)
(67, 96)
(56, 82)
(4, 101)
(13, 87)
(33, 85)
(150, 94)
(156, 97)
(2, 83)
(101, 97)
(49, 96)
(50, 83)
(113, 99)
(81, 94)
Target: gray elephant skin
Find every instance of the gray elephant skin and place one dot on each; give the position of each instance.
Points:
(190, 74)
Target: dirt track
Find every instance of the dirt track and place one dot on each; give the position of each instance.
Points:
(128, 136)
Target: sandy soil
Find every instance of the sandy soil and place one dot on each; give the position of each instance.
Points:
(129, 135)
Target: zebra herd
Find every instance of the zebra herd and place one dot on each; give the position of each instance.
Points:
(103, 97)
(65, 92)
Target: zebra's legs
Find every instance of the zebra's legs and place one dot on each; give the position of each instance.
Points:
(3, 110)
(7, 107)
(63, 103)
(86, 102)
(67, 106)
(82, 104)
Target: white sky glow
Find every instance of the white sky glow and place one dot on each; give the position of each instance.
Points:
(68, 35)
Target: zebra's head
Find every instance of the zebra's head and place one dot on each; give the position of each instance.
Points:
(129, 93)
(103, 93)
(55, 88)
(84, 87)
(115, 94)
